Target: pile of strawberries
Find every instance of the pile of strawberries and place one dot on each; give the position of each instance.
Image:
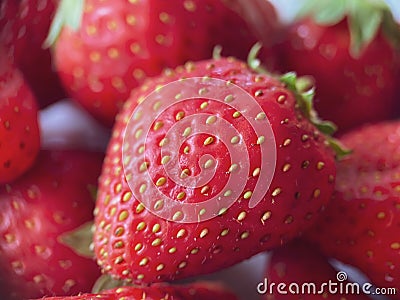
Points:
(231, 134)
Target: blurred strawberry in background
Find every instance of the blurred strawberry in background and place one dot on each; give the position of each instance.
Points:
(305, 273)
(19, 128)
(351, 54)
(39, 213)
(117, 44)
(351, 50)
(24, 25)
(361, 224)
(201, 290)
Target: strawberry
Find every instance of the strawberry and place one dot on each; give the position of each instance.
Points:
(19, 130)
(352, 51)
(38, 213)
(306, 274)
(116, 44)
(194, 291)
(361, 225)
(220, 204)
(24, 24)
(262, 18)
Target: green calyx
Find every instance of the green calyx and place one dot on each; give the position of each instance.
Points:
(69, 13)
(107, 282)
(304, 92)
(79, 240)
(303, 89)
(365, 19)
(252, 59)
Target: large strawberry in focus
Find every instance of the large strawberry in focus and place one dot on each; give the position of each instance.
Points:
(305, 273)
(361, 226)
(351, 48)
(201, 290)
(39, 214)
(19, 130)
(24, 25)
(218, 180)
(115, 45)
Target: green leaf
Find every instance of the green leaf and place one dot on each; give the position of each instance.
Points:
(391, 29)
(340, 150)
(303, 90)
(107, 282)
(252, 61)
(365, 19)
(364, 23)
(93, 191)
(327, 12)
(69, 13)
(327, 127)
(331, 13)
(79, 240)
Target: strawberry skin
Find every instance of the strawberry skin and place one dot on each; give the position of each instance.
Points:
(362, 223)
(53, 198)
(121, 42)
(201, 290)
(133, 243)
(299, 262)
(19, 130)
(345, 83)
(24, 24)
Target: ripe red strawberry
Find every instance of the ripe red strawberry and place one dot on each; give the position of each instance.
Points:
(19, 130)
(352, 51)
(205, 214)
(119, 43)
(262, 18)
(24, 25)
(362, 223)
(306, 274)
(37, 213)
(194, 291)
